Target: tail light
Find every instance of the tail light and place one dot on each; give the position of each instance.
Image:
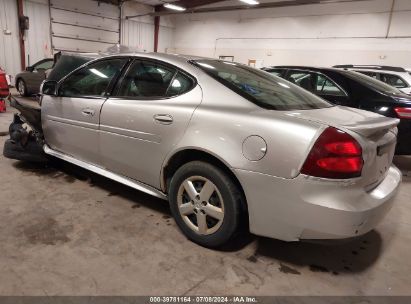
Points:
(4, 87)
(403, 112)
(335, 155)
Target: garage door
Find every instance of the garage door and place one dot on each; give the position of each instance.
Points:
(83, 25)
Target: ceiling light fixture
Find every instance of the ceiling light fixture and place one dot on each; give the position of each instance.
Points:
(250, 2)
(174, 7)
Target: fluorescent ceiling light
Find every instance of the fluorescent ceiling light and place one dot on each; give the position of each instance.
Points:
(250, 2)
(174, 7)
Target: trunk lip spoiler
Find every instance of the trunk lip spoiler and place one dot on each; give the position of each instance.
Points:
(372, 126)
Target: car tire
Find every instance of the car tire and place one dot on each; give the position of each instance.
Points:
(206, 203)
(22, 88)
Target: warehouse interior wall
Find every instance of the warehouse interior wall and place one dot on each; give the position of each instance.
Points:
(364, 32)
(9, 37)
(138, 32)
(37, 37)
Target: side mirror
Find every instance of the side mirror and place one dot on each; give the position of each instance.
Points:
(49, 87)
(29, 69)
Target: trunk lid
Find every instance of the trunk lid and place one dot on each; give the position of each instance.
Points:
(375, 133)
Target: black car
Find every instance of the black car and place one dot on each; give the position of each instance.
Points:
(352, 89)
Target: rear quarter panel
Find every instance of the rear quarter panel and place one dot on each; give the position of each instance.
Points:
(224, 120)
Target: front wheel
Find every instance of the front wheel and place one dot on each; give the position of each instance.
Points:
(22, 88)
(206, 203)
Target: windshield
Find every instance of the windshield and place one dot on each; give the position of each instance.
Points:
(261, 88)
(372, 82)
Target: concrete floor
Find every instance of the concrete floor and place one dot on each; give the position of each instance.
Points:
(64, 231)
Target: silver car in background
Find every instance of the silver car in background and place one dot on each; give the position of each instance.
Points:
(226, 144)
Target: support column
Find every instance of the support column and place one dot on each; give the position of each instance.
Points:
(21, 35)
(156, 30)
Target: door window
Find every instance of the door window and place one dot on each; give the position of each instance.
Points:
(148, 79)
(326, 86)
(393, 80)
(276, 72)
(306, 80)
(92, 80)
(44, 65)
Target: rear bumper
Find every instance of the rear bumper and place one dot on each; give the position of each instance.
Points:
(308, 208)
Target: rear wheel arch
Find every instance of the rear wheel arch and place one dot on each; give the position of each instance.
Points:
(187, 155)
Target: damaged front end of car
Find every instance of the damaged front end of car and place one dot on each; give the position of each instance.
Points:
(26, 135)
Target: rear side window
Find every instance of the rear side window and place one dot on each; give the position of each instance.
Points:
(275, 72)
(306, 80)
(259, 87)
(180, 84)
(92, 80)
(150, 79)
(393, 80)
(326, 86)
(316, 83)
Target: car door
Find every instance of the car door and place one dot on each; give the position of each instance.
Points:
(147, 117)
(71, 119)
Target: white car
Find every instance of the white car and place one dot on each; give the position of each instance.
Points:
(394, 76)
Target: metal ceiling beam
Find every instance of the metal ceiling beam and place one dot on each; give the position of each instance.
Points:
(247, 7)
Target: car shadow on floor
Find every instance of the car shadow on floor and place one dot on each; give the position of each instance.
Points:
(335, 257)
(331, 256)
(70, 173)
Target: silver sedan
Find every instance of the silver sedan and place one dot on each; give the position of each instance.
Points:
(229, 146)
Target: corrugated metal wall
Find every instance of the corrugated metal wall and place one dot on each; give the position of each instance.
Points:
(84, 25)
(9, 37)
(38, 44)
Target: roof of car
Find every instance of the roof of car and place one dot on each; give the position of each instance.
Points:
(300, 67)
(157, 55)
(372, 67)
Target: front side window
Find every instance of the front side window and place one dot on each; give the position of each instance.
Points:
(92, 80)
(393, 80)
(259, 87)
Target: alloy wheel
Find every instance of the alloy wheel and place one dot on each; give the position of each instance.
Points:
(200, 205)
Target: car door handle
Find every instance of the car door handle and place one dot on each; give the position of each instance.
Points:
(87, 112)
(164, 119)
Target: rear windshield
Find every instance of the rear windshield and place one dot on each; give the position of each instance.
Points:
(261, 88)
(372, 82)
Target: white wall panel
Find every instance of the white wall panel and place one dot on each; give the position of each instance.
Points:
(139, 35)
(165, 39)
(37, 38)
(319, 34)
(9, 44)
